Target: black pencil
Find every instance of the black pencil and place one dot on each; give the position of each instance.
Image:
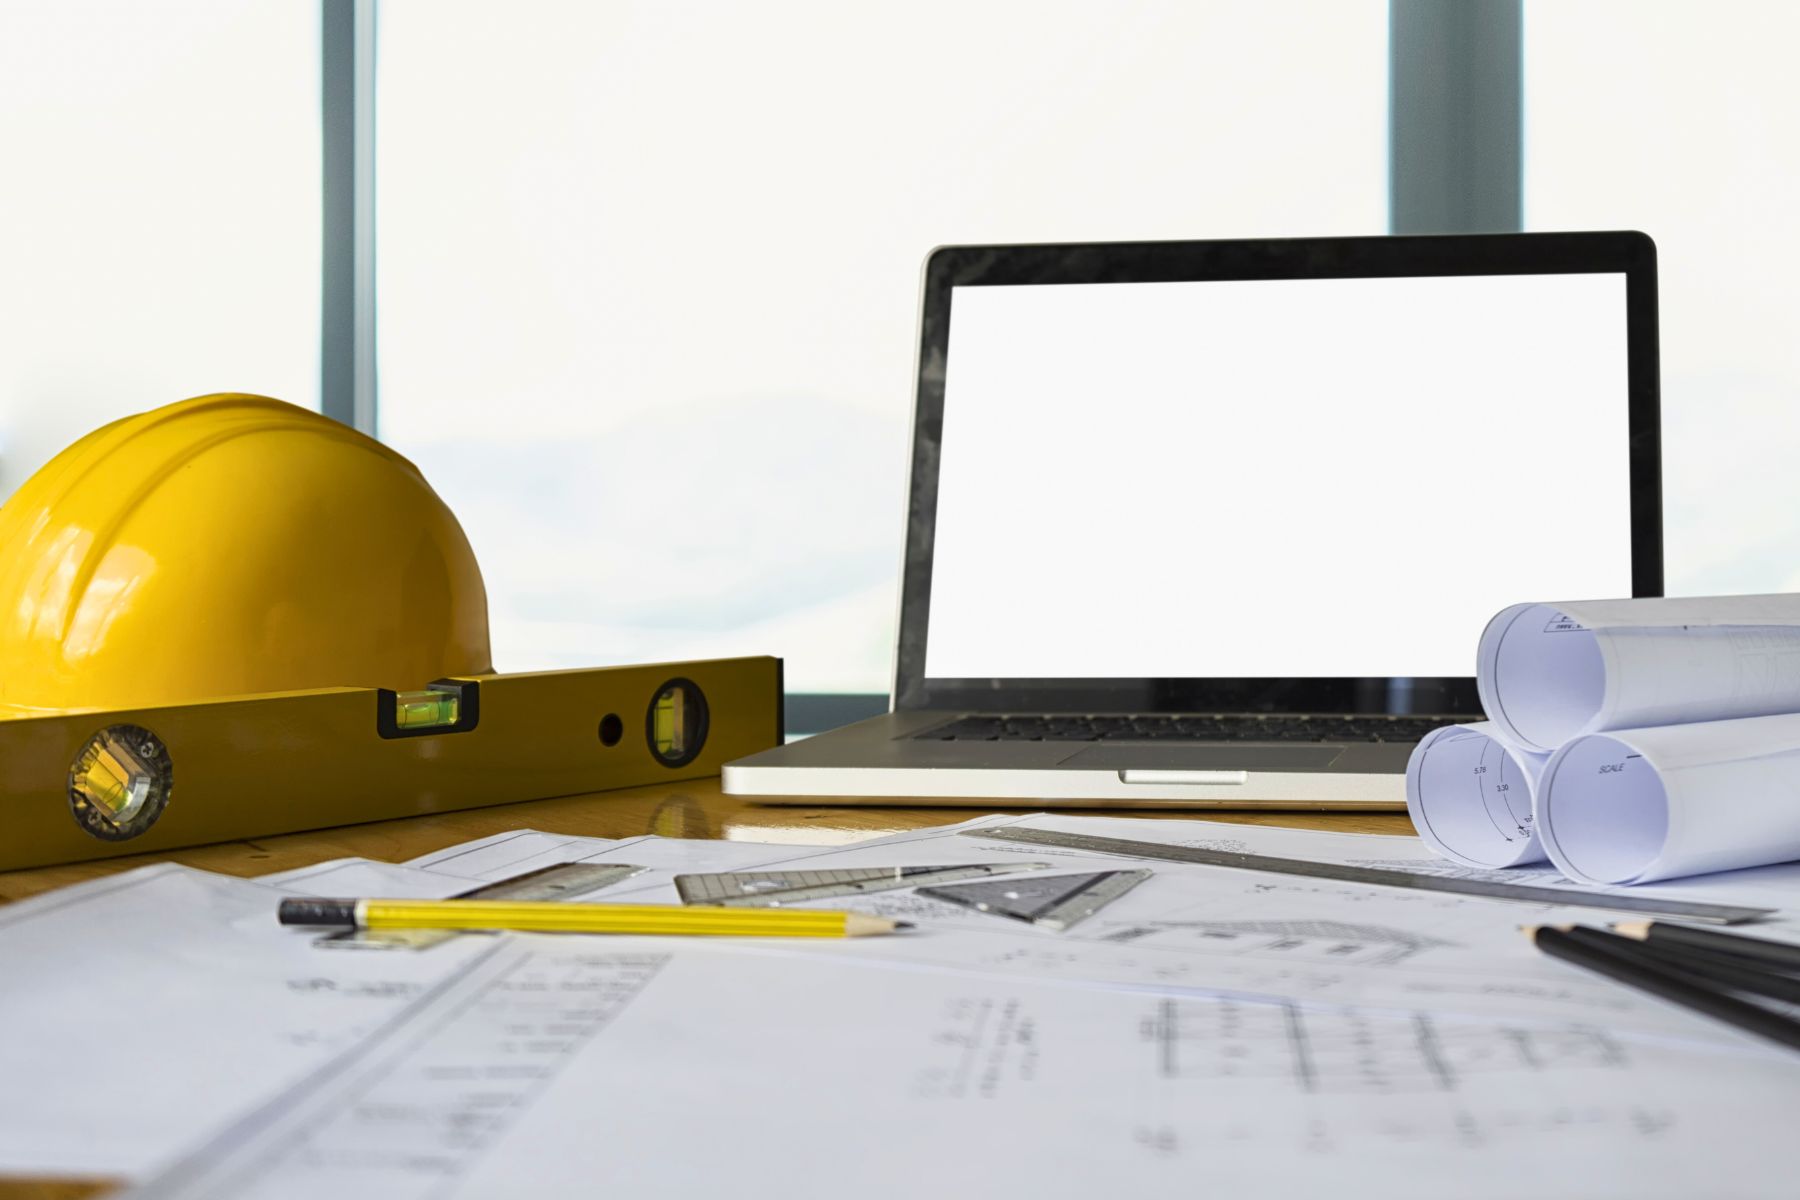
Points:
(1704, 955)
(1779, 955)
(1733, 974)
(1636, 970)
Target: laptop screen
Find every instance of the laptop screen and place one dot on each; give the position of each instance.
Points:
(1272, 478)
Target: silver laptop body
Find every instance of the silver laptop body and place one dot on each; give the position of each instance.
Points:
(1217, 524)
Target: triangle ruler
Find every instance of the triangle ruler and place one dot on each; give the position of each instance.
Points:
(1052, 901)
(765, 889)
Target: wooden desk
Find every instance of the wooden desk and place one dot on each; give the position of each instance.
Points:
(695, 809)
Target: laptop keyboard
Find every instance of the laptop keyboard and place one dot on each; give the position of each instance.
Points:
(1186, 727)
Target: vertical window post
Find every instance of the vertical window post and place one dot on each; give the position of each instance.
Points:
(1455, 116)
(347, 113)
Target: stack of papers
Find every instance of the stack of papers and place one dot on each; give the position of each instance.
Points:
(1209, 1029)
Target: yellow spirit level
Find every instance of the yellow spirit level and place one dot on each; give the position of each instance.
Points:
(82, 785)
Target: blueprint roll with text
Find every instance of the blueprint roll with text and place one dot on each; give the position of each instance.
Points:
(1548, 673)
(1470, 792)
(1637, 805)
(1653, 739)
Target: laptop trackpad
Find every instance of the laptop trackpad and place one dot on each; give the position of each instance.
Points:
(1205, 758)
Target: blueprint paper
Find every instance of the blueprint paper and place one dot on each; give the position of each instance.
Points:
(556, 1068)
(1469, 792)
(663, 858)
(1774, 887)
(143, 1010)
(1547, 673)
(1213, 931)
(187, 1001)
(172, 995)
(356, 877)
(497, 856)
(241, 1008)
(1637, 805)
(1195, 930)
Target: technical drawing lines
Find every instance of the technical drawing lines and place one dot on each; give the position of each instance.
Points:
(1352, 1052)
(1315, 940)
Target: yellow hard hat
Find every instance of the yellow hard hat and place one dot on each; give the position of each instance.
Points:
(229, 545)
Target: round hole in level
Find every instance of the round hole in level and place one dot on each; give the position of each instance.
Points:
(611, 729)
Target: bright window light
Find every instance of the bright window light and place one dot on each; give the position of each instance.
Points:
(649, 272)
(1679, 119)
(160, 219)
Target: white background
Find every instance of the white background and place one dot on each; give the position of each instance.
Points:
(650, 272)
(623, 241)
(1682, 119)
(1273, 478)
(159, 220)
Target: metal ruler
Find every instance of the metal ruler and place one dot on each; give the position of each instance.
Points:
(766, 889)
(1683, 910)
(559, 882)
(1052, 901)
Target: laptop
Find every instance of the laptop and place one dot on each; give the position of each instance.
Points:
(1218, 524)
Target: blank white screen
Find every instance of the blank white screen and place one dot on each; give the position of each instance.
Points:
(1294, 478)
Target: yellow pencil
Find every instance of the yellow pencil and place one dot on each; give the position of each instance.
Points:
(556, 916)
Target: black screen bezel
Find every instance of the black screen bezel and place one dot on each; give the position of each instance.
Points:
(1630, 253)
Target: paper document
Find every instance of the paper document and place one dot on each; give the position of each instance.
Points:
(499, 856)
(1207, 931)
(1775, 887)
(563, 1067)
(1644, 804)
(1549, 672)
(363, 877)
(143, 1010)
(173, 995)
(506, 855)
(226, 1009)
(1470, 790)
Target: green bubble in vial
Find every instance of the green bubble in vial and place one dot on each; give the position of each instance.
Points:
(425, 710)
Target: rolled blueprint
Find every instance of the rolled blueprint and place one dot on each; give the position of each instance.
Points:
(1469, 792)
(1550, 672)
(1635, 805)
